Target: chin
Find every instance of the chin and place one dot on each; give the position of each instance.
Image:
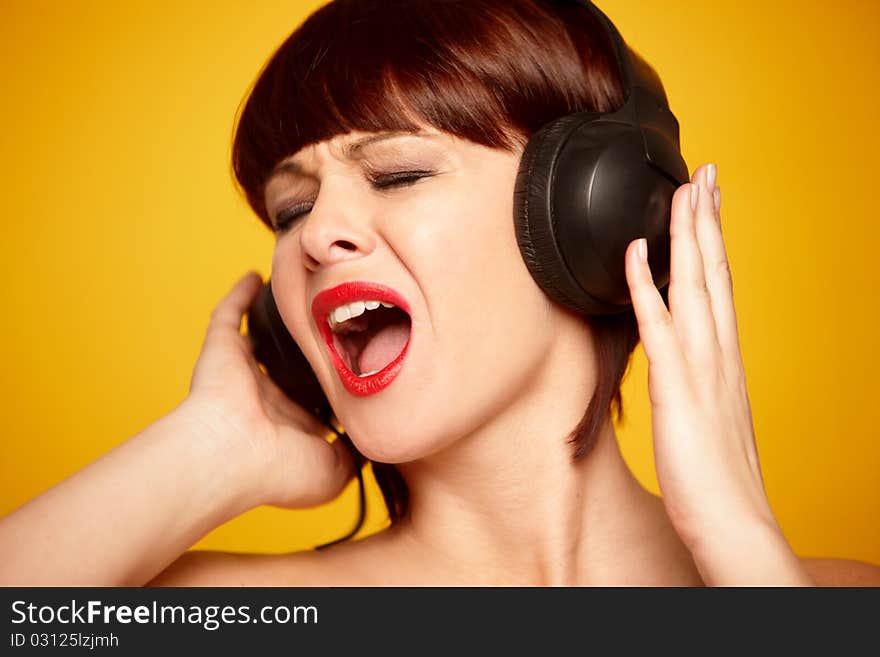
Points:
(403, 437)
(434, 413)
(387, 440)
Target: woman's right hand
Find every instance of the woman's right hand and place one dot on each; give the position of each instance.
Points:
(281, 450)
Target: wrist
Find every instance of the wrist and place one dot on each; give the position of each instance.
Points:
(223, 458)
(753, 553)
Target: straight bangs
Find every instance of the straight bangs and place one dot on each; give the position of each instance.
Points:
(489, 71)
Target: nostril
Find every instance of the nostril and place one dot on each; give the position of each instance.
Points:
(345, 244)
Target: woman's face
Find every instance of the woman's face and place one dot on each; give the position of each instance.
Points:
(445, 242)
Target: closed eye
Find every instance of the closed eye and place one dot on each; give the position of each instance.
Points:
(288, 217)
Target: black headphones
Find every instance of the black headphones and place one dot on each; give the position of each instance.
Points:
(590, 183)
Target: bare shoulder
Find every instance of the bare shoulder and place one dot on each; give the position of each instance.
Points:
(841, 572)
(348, 564)
(215, 568)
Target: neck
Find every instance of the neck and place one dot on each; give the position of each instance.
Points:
(507, 504)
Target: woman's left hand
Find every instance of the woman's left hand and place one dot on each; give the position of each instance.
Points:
(704, 441)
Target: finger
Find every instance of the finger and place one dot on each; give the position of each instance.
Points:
(281, 408)
(229, 312)
(656, 329)
(224, 328)
(718, 278)
(689, 300)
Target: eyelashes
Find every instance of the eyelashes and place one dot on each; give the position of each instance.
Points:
(288, 217)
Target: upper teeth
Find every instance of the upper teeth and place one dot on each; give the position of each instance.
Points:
(353, 309)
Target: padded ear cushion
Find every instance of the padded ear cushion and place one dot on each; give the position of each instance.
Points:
(585, 189)
(533, 221)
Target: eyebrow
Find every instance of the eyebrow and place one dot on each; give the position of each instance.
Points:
(352, 150)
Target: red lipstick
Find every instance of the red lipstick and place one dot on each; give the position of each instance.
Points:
(330, 299)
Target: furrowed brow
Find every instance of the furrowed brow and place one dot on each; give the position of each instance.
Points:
(351, 150)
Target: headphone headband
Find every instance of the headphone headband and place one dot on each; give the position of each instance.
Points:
(646, 104)
(621, 50)
(591, 182)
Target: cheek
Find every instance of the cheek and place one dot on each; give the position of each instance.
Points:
(489, 319)
(464, 254)
(461, 229)
(288, 287)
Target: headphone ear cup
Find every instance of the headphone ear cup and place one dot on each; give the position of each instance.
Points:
(531, 218)
(584, 191)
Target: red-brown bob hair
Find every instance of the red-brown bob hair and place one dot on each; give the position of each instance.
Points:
(490, 71)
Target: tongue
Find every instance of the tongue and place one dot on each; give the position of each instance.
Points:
(383, 347)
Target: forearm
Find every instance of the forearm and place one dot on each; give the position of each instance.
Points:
(122, 519)
(757, 555)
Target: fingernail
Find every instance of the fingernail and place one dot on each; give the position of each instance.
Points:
(695, 195)
(717, 196)
(642, 249)
(711, 172)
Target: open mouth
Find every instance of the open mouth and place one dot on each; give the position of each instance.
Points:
(367, 327)
(372, 337)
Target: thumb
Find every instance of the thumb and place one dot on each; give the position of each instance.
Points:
(229, 311)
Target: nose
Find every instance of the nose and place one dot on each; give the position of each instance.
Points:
(335, 230)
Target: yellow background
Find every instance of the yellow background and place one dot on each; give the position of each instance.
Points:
(121, 229)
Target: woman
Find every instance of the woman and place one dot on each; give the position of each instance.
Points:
(393, 160)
